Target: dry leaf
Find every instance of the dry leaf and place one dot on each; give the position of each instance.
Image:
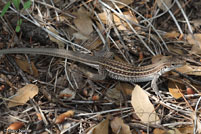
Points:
(103, 17)
(63, 116)
(170, 131)
(195, 40)
(25, 66)
(186, 130)
(175, 88)
(59, 43)
(192, 39)
(125, 2)
(83, 22)
(114, 95)
(125, 88)
(172, 34)
(196, 49)
(118, 126)
(144, 109)
(196, 22)
(23, 95)
(94, 42)
(101, 128)
(190, 70)
(173, 131)
(166, 2)
(158, 131)
(121, 24)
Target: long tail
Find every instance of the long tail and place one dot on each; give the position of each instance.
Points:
(76, 56)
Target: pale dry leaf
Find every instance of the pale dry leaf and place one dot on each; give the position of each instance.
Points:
(121, 24)
(131, 18)
(172, 34)
(192, 39)
(166, 2)
(25, 66)
(103, 17)
(196, 49)
(144, 109)
(126, 2)
(101, 128)
(190, 70)
(195, 40)
(175, 88)
(118, 126)
(83, 22)
(196, 22)
(59, 43)
(23, 95)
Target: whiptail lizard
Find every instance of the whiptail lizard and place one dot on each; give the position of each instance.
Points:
(114, 69)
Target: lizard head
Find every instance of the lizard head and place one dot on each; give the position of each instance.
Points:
(170, 63)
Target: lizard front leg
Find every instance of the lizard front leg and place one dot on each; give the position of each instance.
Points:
(155, 87)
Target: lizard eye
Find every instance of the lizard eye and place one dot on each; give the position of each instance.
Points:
(164, 68)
